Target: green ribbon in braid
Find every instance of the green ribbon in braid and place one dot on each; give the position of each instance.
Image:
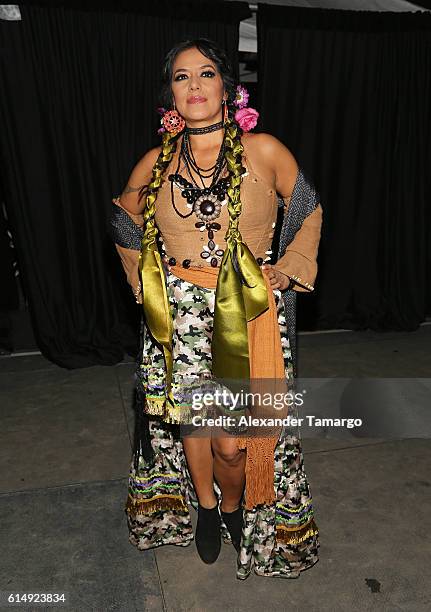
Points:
(241, 293)
(154, 295)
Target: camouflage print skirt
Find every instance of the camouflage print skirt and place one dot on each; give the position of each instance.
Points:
(279, 539)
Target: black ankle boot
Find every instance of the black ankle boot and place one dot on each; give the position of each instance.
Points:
(208, 539)
(233, 521)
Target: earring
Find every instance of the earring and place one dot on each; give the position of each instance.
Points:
(173, 122)
(225, 111)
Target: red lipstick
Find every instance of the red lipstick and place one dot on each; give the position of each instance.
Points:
(196, 100)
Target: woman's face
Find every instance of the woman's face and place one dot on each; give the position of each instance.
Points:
(197, 88)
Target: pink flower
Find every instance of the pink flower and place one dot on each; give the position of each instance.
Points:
(241, 99)
(246, 118)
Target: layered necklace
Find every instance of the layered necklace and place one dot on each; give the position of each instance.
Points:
(204, 202)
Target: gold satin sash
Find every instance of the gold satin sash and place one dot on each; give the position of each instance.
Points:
(236, 303)
(155, 301)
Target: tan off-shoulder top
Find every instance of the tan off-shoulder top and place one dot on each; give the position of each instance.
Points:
(182, 240)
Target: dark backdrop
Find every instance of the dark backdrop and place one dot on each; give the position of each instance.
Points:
(77, 111)
(349, 93)
(9, 299)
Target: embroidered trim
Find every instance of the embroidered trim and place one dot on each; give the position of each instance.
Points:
(296, 536)
(155, 504)
(177, 414)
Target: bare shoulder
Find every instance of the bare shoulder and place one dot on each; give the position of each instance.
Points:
(140, 176)
(275, 157)
(266, 144)
(261, 139)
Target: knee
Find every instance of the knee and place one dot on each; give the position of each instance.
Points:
(229, 454)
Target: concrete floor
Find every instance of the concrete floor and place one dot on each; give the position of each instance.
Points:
(65, 440)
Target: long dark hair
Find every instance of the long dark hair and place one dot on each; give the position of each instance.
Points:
(232, 138)
(212, 51)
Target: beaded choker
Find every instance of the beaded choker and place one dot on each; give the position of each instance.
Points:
(206, 129)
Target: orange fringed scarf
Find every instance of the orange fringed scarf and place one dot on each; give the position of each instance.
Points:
(266, 362)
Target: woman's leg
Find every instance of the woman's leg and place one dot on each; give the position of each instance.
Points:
(227, 465)
(229, 471)
(200, 462)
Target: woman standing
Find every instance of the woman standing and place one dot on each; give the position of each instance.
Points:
(204, 205)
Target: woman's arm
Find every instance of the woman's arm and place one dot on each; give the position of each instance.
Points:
(140, 176)
(127, 220)
(300, 260)
(299, 263)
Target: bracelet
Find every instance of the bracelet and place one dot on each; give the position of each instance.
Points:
(299, 282)
(291, 284)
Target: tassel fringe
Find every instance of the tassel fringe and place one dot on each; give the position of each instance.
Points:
(155, 405)
(296, 536)
(174, 414)
(259, 487)
(256, 493)
(136, 505)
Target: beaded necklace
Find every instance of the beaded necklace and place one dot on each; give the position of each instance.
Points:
(205, 202)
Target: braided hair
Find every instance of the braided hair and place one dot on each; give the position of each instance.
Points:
(232, 138)
(151, 190)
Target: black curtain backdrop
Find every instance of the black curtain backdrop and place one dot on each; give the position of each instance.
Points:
(77, 111)
(349, 93)
(9, 299)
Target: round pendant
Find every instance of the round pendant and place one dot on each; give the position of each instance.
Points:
(207, 207)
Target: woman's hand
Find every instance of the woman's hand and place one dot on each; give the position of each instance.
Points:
(277, 279)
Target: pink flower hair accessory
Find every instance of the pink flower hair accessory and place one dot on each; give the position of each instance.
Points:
(246, 118)
(242, 96)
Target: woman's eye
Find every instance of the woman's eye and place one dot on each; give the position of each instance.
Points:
(206, 73)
